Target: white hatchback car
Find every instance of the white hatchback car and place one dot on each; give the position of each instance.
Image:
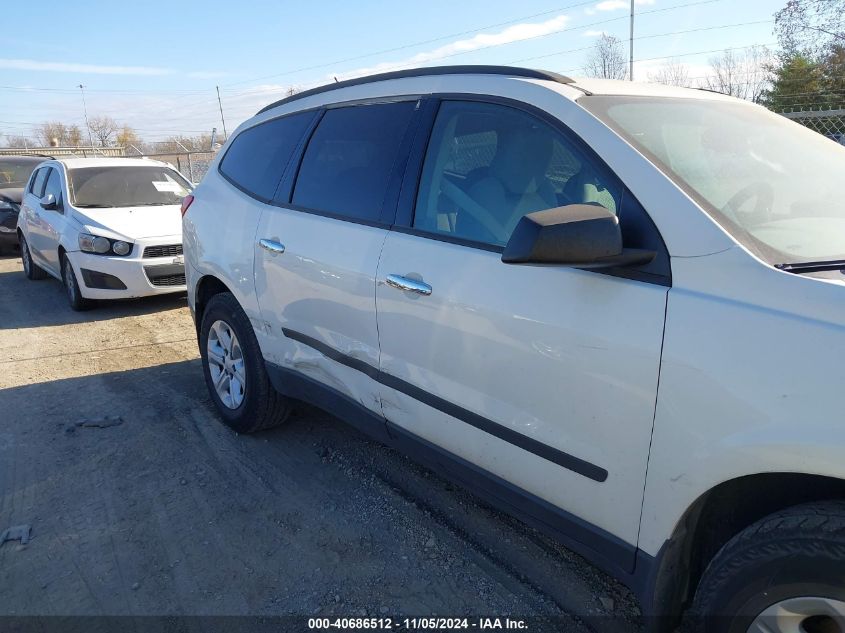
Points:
(615, 310)
(108, 228)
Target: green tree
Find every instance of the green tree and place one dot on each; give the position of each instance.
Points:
(798, 83)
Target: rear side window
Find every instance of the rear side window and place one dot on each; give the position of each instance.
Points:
(38, 182)
(257, 158)
(350, 158)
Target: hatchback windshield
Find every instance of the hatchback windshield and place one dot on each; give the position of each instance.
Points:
(15, 173)
(773, 184)
(126, 186)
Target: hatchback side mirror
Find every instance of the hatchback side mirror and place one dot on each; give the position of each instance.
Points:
(49, 202)
(577, 235)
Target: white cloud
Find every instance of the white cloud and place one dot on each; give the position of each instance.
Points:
(592, 33)
(63, 67)
(206, 74)
(614, 5)
(514, 33)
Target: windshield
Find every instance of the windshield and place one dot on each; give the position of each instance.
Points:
(126, 186)
(773, 184)
(15, 173)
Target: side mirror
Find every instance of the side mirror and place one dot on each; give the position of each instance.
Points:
(577, 235)
(49, 202)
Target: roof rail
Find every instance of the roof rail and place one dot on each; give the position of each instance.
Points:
(511, 71)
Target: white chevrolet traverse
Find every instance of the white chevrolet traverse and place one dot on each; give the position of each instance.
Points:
(615, 310)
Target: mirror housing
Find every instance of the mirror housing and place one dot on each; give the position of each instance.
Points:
(577, 235)
(49, 202)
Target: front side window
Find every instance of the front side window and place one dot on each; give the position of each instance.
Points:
(487, 165)
(347, 166)
(771, 183)
(38, 181)
(54, 185)
(126, 186)
(257, 157)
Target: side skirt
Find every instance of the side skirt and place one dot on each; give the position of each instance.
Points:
(601, 548)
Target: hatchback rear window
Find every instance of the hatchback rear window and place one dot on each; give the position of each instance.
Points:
(347, 166)
(256, 159)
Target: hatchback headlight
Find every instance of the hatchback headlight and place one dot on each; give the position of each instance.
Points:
(8, 205)
(103, 245)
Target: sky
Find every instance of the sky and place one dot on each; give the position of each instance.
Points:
(156, 65)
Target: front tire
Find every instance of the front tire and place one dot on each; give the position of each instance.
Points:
(74, 295)
(234, 369)
(784, 573)
(32, 270)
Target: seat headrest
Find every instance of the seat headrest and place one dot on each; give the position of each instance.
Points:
(522, 158)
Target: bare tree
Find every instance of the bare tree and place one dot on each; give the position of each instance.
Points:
(673, 73)
(52, 133)
(18, 142)
(744, 75)
(810, 26)
(607, 59)
(104, 129)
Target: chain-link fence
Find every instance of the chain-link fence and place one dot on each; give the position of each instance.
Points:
(830, 123)
(192, 164)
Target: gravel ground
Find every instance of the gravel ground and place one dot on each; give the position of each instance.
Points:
(141, 503)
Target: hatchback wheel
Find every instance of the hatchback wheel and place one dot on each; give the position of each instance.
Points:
(74, 294)
(32, 270)
(783, 574)
(234, 369)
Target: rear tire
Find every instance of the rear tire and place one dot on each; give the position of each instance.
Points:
(791, 562)
(32, 270)
(74, 294)
(234, 369)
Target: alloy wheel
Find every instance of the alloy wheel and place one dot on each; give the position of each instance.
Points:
(226, 364)
(801, 615)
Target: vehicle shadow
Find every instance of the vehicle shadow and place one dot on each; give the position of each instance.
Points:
(46, 304)
(130, 482)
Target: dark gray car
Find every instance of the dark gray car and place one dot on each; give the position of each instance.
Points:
(14, 174)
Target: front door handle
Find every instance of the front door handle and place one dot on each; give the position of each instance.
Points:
(411, 285)
(277, 248)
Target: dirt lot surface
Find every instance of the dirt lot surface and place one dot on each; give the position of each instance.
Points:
(142, 503)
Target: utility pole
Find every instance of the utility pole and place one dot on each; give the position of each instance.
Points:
(85, 110)
(222, 120)
(631, 51)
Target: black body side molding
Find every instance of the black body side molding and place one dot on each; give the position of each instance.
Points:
(570, 462)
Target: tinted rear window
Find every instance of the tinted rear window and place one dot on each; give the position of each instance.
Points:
(347, 166)
(257, 157)
(15, 173)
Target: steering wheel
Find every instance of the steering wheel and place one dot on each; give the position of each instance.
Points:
(763, 194)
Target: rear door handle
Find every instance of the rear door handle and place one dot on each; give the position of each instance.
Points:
(411, 285)
(277, 248)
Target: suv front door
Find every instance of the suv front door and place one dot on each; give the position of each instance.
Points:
(545, 377)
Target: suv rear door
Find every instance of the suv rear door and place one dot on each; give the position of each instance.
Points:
(318, 245)
(545, 377)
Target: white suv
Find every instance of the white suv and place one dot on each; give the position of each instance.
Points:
(108, 228)
(615, 310)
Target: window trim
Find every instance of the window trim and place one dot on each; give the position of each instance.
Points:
(413, 175)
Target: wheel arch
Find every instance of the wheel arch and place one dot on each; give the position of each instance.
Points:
(206, 288)
(713, 519)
